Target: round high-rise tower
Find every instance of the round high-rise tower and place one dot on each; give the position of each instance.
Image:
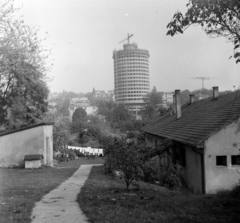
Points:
(131, 76)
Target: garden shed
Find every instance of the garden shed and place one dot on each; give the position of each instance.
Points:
(33, 139)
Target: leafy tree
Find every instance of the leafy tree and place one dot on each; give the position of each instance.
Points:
(22, 113)
(119, 114)
(105, 108)
(217, 17)
(154, 98)
(61, 133)
(89, 134)
(163, 111)
(148, 112)
(126, 157)
(152, 102)
(184, 96)
(132, 160)
(79, 120)
(79, 115)
(63, 107)
(50, 116)
(23, 69)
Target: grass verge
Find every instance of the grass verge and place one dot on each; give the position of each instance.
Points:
(103, 199)
(21, 188)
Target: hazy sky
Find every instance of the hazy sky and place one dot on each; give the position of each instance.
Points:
(84, 33)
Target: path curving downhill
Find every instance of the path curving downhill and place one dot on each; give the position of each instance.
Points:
(59, 205)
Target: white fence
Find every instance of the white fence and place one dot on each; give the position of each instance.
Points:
(88, 150)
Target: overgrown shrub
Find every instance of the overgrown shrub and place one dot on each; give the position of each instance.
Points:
(150, 171)
(236, 190)
(130, 135)
(122, 155)
(135, 162)
(140, 138)
(128, 157)
(169, 177)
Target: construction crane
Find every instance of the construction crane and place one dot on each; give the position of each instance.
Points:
(203, 79)
(129, 36)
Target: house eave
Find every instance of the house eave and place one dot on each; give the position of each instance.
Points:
(176, 140)
(26, 127)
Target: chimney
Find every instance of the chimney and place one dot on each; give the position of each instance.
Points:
(215, 93)
(191, 98)
(174, 104)
(178, 104)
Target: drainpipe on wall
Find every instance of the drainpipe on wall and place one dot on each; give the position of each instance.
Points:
(178, 104)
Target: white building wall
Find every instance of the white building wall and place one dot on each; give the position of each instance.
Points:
(14, 146)
(224, 143)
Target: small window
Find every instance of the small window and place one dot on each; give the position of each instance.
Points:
(236, 160)
(221, 160)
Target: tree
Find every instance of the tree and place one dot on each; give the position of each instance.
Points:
(152, 102)
(22, 113)
(105, 108)
(79, 115)
(153, 98)
(63, 107)
(23, 69)
(184, 96)
(120, 113)
(148, 112)
(61, 133)
(217, 17)
(79, 121)
(126, 157)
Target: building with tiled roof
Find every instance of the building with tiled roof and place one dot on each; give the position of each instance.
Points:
(207, 140)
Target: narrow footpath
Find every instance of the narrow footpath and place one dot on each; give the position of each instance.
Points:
(59, 205)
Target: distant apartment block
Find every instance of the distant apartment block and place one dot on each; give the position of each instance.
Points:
(167, 99)
(131, 76)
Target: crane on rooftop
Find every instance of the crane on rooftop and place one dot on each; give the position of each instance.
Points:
(129, 36)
